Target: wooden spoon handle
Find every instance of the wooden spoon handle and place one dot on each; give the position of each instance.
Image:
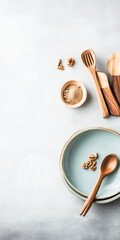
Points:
(95, 190)
(111, 101)
(91, 196)
(116, 87)
(100, 97)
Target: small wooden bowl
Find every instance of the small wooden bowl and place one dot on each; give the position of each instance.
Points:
(84, 93)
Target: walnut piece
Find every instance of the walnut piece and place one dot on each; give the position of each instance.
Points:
(91, 163)
(59, 62)
(93, 168)
(93, 156)
(84, 165)
(71, 61)
(60, 66)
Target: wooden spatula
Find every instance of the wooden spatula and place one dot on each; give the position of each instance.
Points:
(113, 67)
(112, 104)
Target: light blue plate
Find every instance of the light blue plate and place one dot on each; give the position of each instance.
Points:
(97, 201)
(76, 151)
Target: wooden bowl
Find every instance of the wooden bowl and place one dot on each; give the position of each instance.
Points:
(83, 95)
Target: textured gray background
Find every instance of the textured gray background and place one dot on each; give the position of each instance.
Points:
(35, 124)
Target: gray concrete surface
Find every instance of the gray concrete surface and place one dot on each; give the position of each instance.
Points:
(35, 124)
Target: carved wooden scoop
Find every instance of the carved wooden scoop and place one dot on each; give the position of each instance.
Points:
(108, 165)
(113, 67)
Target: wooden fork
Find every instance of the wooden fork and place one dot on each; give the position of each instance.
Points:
(88, 58)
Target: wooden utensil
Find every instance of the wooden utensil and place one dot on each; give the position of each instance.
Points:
(108, 165)
(113, 67)
(108, 95)
(88, 58)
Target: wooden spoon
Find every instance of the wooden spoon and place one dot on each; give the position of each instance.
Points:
(108, 95)
(108, 165)
(113, 67)
(88, 58)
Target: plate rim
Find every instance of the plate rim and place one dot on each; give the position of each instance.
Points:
(97, 201)
(63, 150)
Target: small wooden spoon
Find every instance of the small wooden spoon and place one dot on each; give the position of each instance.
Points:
(108, 165)
(88, 58)
(113, 67)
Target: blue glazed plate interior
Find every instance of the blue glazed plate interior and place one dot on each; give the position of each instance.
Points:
(77, 151)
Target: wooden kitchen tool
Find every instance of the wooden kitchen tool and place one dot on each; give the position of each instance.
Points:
(112, 104)
(88, 58)
(108, 165)
(113, 67)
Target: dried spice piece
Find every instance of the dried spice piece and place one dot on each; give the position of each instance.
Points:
(71, 61)
(60, 66)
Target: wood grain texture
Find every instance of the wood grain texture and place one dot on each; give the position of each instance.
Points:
(112, 104)
(111, 101)
(101, 101)
(116, 87)
(113, 64)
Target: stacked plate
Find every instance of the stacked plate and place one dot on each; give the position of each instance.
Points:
(76, 151)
